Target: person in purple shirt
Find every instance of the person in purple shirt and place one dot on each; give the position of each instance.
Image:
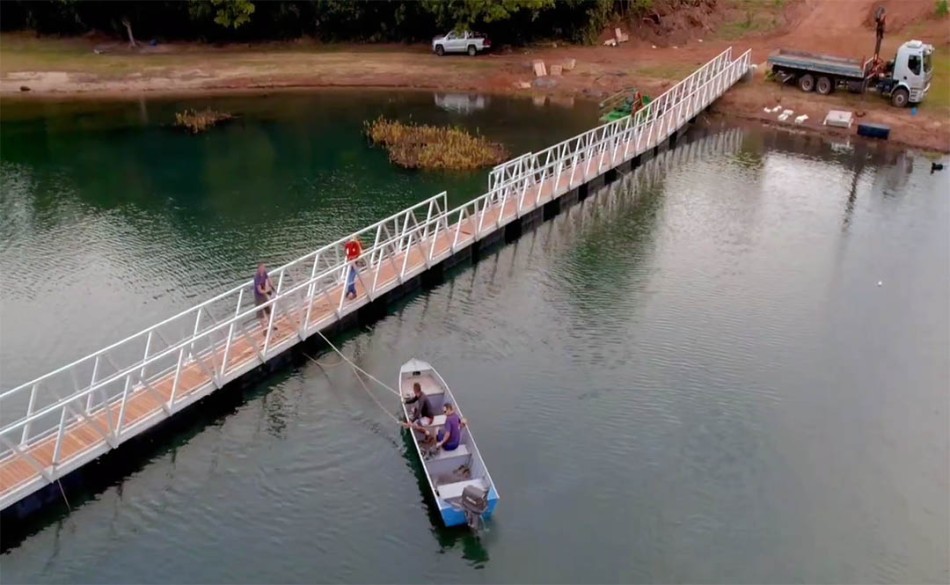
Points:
(450, 437)
(262, 294)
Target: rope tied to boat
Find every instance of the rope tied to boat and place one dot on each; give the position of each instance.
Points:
(325, 365)
(474, 509)
(357, 371)
(356, 367)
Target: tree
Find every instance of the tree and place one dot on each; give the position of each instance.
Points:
(506, 21)
(226, 13)
(467, 13)
(128, 29)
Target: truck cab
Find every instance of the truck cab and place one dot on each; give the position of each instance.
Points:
(911, 73)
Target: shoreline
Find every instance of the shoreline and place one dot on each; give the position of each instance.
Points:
(929, 143)
(189, 71)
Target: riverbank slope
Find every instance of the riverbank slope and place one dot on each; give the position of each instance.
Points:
(37, 68)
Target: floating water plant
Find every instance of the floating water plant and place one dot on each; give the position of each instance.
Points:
(419, 146)
(196, 121)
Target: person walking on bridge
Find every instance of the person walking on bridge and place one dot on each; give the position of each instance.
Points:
(262, 294)
(354, 249)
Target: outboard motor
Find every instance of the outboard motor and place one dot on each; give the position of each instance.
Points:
(474, 503)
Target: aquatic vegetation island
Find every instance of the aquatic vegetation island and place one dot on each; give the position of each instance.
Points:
(196, 121)
(420, 146)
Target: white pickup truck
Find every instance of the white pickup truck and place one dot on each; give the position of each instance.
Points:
(460, 42)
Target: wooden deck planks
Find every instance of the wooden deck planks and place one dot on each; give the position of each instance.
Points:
(83, 435)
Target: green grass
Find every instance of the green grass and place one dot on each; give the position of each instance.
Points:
(736, 30)
(23, 52)
(939, 96)
(755, 16)
(665, 72)
(20, 53)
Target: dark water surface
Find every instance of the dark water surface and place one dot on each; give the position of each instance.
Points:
(692, 377)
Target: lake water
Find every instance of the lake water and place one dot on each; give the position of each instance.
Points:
(730, 367)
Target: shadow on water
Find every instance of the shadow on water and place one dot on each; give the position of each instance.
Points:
(449, 538)
(112, 469)
(627, 215)
(115, 467)
(640, 203)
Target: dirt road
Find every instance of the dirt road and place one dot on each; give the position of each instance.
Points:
(36, 68)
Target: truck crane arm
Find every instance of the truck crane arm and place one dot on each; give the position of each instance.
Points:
(880, 16)
(877, 65)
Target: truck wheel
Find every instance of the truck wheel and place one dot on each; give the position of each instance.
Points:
(900, 97)
(824, 85)
(806, 82)
(439, 50)
(472, 50)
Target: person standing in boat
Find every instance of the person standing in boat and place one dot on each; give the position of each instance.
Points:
(354, 249)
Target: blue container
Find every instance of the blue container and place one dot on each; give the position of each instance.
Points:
(874, 131)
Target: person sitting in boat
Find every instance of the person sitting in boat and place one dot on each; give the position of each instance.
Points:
(423, 411)
(450, 436)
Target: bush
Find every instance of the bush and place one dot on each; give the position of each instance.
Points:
(431, 147)
(198, 121)
(942, 8)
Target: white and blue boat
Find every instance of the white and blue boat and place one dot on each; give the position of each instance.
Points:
(458, 479)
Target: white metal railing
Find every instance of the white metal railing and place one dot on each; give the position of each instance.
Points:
(321, 268)
(89, 391)
(649, 126)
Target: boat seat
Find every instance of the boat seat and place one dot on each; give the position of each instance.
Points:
(429, 386)
(443, 455)
(437, 421)
(454, 490)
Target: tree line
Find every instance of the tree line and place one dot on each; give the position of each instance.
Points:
(506, 21)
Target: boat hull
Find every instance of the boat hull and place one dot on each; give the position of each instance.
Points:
(442, 470)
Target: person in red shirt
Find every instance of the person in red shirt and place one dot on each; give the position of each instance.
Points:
(353, 252)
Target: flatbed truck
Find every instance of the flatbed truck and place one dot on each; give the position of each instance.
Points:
(905, 79)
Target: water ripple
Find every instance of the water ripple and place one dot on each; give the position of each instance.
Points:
(683, 379)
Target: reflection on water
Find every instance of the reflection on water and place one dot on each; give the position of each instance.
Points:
(691, 376)
(461, 103)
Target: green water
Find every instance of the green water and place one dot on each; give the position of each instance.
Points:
(691, 377)
(107, 203)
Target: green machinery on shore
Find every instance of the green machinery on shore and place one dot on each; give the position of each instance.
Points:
(622, 104)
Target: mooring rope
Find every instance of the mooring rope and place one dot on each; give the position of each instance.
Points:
(63, 492)
(325, 365)
(356, 367)
(357, 371)
(376, 400)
